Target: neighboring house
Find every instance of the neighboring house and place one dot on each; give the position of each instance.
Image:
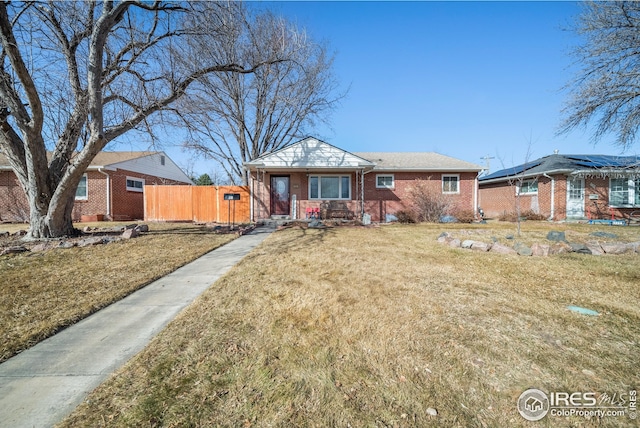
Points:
(566, 187)
(311, 174)
(112, 186)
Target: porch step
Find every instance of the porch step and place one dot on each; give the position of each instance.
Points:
(275, 222)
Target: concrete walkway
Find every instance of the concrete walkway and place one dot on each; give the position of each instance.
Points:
(42, 385)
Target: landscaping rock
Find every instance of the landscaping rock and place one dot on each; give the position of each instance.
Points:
(635, 246)
(455, 243)
(66, 244)
(316, 224)
(143, 228)
(561, 248)
(556, 236)
(540, 250)
(110, 239)
(20, 233)
(131, 226)
(502, 249)
(509, 237)
(615, 248)
(595, 248)
(443, 237)
(87, 242)
(44, 246)
(522, 249)
(4, 234)
(480, 246)
(86, 229)
(130, 233)
(467, 243)
(604, 235)
(432, 412)
(13, 250)
(580, 248)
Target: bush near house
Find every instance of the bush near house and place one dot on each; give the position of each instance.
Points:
(526, 215)
(428, 202)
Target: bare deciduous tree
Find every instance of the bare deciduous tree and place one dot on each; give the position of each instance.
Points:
(236, 118)
(607, 88)
(76, 75)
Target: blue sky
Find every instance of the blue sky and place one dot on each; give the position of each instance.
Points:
(464, 79)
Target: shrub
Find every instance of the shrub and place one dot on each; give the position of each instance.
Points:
(429, 203)
(533, 216)
(464, 216)
(525, 215)
(405, 217)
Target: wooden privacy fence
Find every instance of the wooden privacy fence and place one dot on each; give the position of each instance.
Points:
(201, 204)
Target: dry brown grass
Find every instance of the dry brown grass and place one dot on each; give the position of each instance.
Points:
(370, 327)
(40, 293)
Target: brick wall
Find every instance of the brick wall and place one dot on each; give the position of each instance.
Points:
(497, 199)
(13, 201)
(128, 204)
(378, 202)
(125, 205)
(96, 202)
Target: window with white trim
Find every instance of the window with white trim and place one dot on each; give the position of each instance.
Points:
(385, 181)
(528, 187)
(82, 191)
(451, 183)
(135, 184)
(329, 187)
(624, 192)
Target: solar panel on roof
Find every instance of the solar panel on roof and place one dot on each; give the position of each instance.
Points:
(507, 172)
(599, 161)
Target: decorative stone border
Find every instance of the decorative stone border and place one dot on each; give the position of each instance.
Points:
(559, 246)
(90, 237)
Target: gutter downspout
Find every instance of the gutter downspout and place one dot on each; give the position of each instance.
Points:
(108, 213)
(553, 195)
(475, 195)
(251, 214)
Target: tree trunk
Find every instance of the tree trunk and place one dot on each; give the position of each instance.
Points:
(51, 217)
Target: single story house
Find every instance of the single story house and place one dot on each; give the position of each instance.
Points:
(562, 187)
(304, 177)
(111, 188)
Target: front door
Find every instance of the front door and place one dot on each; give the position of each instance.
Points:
(280, 195)
(575, 197)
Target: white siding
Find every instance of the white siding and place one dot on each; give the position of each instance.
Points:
(152, 165)
(313, 154)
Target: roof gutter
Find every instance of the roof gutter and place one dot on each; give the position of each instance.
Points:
(535, 174)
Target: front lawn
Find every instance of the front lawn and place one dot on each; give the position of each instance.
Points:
(373, 327)
(42, 292)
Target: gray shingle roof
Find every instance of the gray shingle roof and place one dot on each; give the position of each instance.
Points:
(101, 159)
(417, 161)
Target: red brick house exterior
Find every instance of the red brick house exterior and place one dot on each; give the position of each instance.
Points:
(112, 187)
(311, 174)
(561, 187)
